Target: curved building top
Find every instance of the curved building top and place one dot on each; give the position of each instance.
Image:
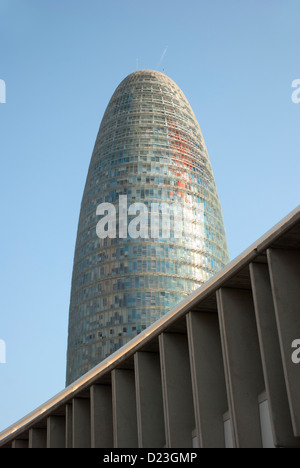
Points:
(150, 228)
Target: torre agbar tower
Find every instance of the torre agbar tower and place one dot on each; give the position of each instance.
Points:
(150, 149)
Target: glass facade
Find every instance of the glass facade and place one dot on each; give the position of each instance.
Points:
(150, 149)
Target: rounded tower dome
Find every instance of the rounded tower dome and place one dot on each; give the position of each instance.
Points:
(149, 157)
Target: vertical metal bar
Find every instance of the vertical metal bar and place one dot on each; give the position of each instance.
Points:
(284, 266)
(281, 422)
(101, 416)
(124, 409)
(37, 438)
(81, 423)
(243, 368)
(177, 390)
(208, 379)
(69, 425)
(56, 432)
(151, 428)
(19, 443)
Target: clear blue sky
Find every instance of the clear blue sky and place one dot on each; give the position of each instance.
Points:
(235, 61)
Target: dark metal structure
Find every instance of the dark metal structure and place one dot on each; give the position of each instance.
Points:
(216, 371)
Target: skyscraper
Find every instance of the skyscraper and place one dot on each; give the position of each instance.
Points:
(149, 155)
